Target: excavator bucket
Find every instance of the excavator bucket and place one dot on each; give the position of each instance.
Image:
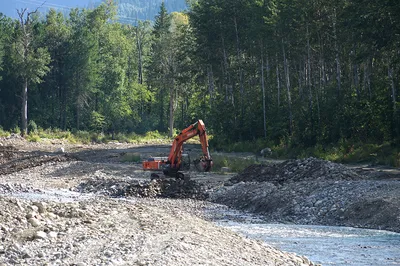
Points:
(203, 165)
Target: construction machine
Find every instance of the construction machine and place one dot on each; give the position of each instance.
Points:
(172, 164)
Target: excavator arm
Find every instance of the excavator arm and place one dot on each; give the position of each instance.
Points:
(173, 164)
(175, 155)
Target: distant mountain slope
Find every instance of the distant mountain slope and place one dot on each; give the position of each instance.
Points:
(9, 7)
(128, 10)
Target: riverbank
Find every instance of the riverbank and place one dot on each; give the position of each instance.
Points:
(99, 209)
(318, 192)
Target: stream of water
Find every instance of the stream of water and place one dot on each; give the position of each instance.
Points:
(326, 245)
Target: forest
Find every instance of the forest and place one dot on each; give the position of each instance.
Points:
(295, 73)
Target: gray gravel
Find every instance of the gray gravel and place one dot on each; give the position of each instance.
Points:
(62, 228)
(313, 191)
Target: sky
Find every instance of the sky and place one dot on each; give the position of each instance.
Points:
(9, 7)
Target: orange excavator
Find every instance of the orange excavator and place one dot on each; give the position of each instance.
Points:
(173, 163)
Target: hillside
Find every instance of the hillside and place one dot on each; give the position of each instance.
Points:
(128, 10)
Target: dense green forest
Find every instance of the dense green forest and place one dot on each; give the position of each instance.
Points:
(297, 72)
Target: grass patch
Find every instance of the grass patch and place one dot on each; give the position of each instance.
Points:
(32, 137)
(345, 151)
(235, 164)
(3, 133)
(131, 158)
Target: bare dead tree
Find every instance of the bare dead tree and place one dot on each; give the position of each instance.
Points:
(23, 49)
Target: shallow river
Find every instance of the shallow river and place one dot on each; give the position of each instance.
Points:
(326, 245)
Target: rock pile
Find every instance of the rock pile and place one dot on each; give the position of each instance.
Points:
(13, 160)
(310, 169)
(161, 187)
(12, 188)
(7, 153)
(313, 191)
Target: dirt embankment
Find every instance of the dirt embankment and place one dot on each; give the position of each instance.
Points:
(85, 207)
(313, 191)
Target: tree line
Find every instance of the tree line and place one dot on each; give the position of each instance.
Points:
(303, 72)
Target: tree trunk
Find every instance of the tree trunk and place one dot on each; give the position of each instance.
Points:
(140, 57)
(161, 125)
(356, 81)
(394, 98)
(78, 114)
(210, 76)
(300, 81)
(171, 110)
(278, 83)
(287, 78)
(63, 110)
(337, 59)
(24, 110)
(308, 76)
(239, 55)
(227, 77)
(263, 93)
(366, 79)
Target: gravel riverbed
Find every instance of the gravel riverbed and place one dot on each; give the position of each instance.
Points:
(82, 205)
(86, 207)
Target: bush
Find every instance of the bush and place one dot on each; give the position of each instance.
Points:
(3, 133)
(33, 137)
(80, 136)
(131, 157)
(32, 127)
(235, 164)
(16, 130)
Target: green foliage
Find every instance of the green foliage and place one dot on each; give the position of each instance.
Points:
(97, 121)
(235, 164)
(32, 127)
(33, 137)
(328, 70)
(16, 130)
(80, 136)
(3, 133)
(131, 157)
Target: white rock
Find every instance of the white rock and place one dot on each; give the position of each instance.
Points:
(60, 150)
(34, 222)
(34, 208)
(41, 206)
(53, 234)
(52, 215)
(31, 215)
(40, 235)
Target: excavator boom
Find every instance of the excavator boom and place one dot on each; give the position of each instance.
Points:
(172, 164)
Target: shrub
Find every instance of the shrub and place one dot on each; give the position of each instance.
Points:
(16, 130)
(32, 127)
(33, 137)
(3, 133)
(131, 157)
(236, 164)
(80, 136)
